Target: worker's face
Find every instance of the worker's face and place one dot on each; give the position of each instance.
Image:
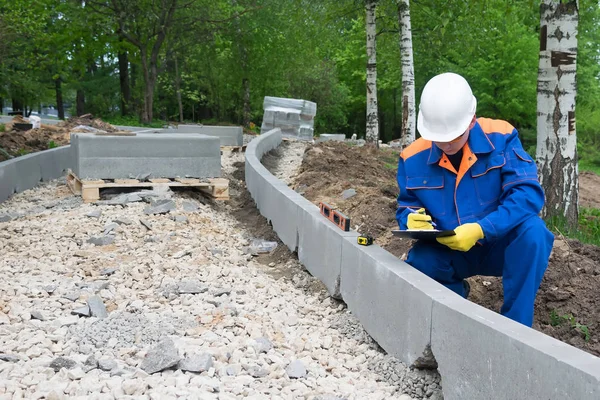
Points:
(455, 145)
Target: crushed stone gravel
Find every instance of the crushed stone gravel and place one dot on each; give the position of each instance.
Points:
(252, 326)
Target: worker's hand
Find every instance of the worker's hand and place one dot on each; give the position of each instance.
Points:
(466, 237)
(419, 220)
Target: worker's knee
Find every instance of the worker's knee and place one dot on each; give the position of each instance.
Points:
(533, 232)
(530, 241)
(432, 260)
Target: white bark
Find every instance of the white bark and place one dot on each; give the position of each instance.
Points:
(556, 137)
(408, 74)
(372, 128)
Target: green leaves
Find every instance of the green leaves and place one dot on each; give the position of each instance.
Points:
(311, 49)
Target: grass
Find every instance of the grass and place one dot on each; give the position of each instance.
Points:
(585, 165)
(2, 128)
(556, 320)
(5, 153)
(52, 144)
(588, 230)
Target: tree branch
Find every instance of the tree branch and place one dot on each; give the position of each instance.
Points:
(219, 21)
(165, 21)
(387, 31)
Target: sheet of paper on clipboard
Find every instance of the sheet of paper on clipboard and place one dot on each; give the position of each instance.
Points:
(430, 234)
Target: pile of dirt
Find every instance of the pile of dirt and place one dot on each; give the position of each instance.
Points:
(567, 306)
(14, 143)
(330, 168)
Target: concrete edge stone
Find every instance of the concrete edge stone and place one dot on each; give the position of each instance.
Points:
(8, 179)
(282, 211)
(392, 300)
(480, 353)
(507, 354)
(29, 171)
(26, 172)
(320, 247)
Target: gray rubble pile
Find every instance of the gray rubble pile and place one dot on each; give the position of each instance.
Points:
(295, 117)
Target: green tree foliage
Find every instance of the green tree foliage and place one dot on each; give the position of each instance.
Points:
(215, 52)
(23, 37)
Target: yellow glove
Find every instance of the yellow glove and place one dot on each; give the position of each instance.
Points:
(466, 237)
(419, 220)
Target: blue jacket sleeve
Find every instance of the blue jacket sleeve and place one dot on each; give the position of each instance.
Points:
(406, 199)
(522, 195)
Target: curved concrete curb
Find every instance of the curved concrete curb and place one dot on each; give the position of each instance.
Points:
(26, 172)
(480, 354)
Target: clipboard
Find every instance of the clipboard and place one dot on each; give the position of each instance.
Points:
(422, 234)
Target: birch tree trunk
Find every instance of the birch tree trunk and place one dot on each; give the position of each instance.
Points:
(408, 74)
(372, 131)
(556, 138)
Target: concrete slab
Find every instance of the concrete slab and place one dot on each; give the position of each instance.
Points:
(160, 155)
(228, 135)
(392, 300)
(157, 167)
(320, 246)
(325, 137)
(483, 355)
(138, 129)
(147, 145)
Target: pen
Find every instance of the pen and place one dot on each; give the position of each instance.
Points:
(416, 212)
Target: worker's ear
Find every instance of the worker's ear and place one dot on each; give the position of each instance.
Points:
(473, 121)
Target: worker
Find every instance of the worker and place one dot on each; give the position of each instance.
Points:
(472, 175)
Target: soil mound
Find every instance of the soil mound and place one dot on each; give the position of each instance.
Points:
(14, 143)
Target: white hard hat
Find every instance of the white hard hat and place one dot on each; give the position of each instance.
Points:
(447, 108)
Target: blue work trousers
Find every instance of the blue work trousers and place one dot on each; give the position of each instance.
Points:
(520, 258)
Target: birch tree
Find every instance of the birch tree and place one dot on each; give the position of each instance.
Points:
(408, 74)
(372, 126)
(556, 137)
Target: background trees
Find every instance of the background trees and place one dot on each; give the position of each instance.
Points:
(214, 61)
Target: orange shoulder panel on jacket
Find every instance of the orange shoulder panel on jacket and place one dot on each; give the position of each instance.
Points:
(495, 126)
(417, 146)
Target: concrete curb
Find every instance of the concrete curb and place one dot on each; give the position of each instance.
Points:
(26, 172)
(480, 354)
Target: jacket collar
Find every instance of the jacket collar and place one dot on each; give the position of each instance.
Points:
(478, 142)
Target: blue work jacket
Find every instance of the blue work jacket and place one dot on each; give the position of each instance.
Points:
(496, 185)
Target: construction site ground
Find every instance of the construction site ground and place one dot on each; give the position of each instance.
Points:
(249, 325)
(568, 303)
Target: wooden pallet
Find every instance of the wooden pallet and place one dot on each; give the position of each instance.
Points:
(217, 188)
(234, 149)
